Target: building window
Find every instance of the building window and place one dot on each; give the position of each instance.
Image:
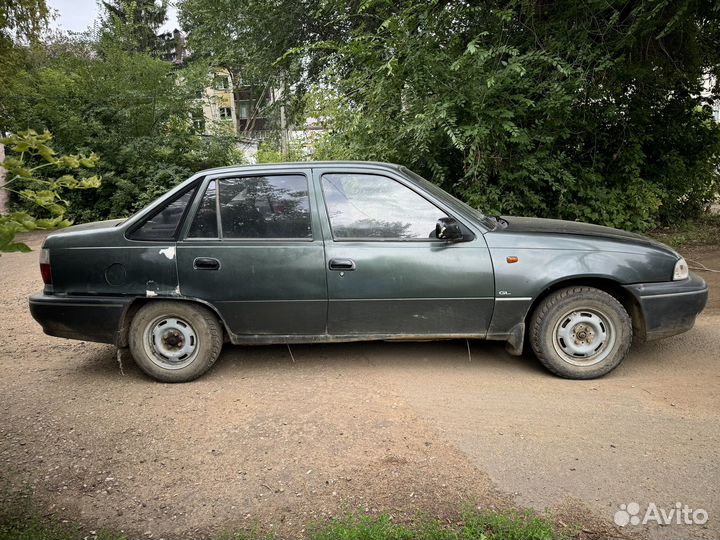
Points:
(198, 124)
(245, 109)
(226, 113)
(222, 83)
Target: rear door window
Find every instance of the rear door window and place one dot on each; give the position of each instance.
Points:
(205, 223)
(255, 207)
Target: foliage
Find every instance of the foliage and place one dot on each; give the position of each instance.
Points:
(248, 39)
(579, 110)
(21, 20)
(591, 110)
(242, 35)
(38, 178)
(133, 24)
(133, 110)
(269, 152)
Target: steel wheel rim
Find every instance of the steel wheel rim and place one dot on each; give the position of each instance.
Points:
(584, 337)
(171, 342)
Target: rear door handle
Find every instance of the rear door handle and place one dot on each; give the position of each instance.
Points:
(206, 263)
(343, 265)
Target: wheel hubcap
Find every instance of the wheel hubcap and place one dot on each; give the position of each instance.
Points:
(584, 337)
(171, 342)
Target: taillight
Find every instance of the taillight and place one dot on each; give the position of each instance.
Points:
(45, 271)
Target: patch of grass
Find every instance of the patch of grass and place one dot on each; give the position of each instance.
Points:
(690, 233)
(27, 524)
(507, 525)
(23, 522)
(475, 525)
(356, 526)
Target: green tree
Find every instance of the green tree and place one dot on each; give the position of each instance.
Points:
(38, 178)
(21, 20)
(249, 39)
(589, 110)
(133, 25)
(133, 110)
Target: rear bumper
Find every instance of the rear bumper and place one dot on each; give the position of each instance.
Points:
(670, 308)
(88, 318)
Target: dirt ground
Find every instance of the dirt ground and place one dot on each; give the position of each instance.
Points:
(266, 441)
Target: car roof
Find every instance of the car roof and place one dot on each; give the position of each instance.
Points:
(310, 164)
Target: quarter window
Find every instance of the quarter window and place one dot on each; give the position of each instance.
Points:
(368, 206)
(164, 223)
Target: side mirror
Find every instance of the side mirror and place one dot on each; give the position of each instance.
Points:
(448, 229)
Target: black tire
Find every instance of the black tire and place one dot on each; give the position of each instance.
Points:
(173, 341)
(569, 324)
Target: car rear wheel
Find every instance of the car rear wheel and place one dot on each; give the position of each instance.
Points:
(580, 333)
(175, 341)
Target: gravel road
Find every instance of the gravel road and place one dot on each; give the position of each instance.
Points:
(264, 440)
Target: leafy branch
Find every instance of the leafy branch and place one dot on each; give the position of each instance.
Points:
(27, 178)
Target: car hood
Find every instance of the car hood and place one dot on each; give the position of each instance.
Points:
(558, 226)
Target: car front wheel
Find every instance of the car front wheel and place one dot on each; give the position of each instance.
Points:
(175, 341)
(580, 332)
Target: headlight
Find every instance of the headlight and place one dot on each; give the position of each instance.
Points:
(681, 270)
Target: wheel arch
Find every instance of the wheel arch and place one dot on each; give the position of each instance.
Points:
(137, 303)
(603, 283)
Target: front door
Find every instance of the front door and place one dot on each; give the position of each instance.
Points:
(387, 272)
(253, 249)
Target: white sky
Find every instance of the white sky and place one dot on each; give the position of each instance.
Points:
(78, 15)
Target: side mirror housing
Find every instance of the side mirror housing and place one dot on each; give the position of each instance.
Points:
(448, 229)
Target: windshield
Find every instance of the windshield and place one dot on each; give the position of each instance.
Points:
(446, 197)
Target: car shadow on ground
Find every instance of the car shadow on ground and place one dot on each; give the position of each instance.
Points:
(102, 361)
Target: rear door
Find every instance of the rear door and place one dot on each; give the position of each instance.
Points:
(252, 247)
(387, 272)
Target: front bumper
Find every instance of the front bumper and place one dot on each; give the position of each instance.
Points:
(88, 318)
(670, 307)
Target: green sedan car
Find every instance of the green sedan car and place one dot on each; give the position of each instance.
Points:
(346, 251)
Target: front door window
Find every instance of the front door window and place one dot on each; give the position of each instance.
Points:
(369, 206)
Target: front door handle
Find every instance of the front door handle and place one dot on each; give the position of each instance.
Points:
(342, 265)
(206, 263)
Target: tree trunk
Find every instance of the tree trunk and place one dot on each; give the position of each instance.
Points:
(4, 199)
(234, 82)
(284, 147)
(284, 143)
